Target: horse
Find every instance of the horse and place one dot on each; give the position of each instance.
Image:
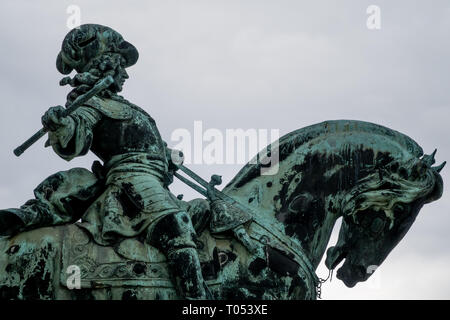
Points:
(374, 178)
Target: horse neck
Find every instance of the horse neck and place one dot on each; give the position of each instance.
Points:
(309, 192)
(310, 227)
(299, 209)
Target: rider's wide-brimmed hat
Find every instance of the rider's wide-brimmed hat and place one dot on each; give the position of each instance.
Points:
(90, 41)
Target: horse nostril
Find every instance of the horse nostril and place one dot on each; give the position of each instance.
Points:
(362, 271)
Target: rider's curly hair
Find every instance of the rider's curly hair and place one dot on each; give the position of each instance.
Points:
(99, 68)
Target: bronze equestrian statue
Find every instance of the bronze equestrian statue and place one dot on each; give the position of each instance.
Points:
(261, 237)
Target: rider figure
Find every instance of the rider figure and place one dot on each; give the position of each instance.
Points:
(133, 200)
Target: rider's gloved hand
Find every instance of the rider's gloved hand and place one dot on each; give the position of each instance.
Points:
(175, 158)
(53, 119)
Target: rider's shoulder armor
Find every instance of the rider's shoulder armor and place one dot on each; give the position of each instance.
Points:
(110, 108)
(124, 128)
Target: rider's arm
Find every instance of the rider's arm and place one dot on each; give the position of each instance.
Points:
(71, 136)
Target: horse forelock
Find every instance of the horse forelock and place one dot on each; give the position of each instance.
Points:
(382, 191)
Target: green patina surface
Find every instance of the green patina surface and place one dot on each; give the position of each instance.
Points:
(261, 237)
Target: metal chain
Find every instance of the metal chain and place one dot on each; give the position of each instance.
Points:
(322, 281)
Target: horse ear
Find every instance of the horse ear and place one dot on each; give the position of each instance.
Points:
(439, 167)
(429, 159)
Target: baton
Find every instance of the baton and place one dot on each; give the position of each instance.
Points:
(79, 101)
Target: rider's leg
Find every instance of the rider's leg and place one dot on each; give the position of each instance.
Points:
(59, 199)
(174, 235)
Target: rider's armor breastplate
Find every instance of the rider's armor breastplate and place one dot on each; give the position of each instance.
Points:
(124, 128)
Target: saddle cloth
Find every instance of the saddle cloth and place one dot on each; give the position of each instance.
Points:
(130, 263)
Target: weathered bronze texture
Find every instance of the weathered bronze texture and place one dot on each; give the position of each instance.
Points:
(261, 237)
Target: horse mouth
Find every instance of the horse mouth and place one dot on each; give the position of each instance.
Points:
(349, 273)
(352, 274)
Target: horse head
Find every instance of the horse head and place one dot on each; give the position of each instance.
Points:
(376, 178)
(379, 211)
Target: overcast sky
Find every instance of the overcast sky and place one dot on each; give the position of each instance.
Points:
(252, 64)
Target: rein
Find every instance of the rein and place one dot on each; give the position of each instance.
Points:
(321, 282)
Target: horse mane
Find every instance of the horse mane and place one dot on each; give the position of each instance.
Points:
(288, 143)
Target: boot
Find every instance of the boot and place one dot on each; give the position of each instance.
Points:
(33, 214)
(174, 236)
(185, 267)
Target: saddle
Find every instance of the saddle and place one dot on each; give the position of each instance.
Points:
(130, 263)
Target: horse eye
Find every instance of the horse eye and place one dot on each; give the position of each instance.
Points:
(364, 218)
(377, 225)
